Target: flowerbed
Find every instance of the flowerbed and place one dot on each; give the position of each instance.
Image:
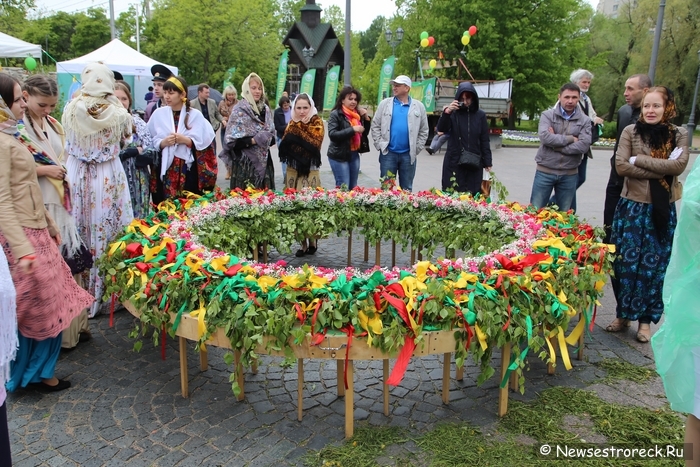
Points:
(531, 137)
(524, 275)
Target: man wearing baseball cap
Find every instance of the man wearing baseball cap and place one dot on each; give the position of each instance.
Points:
(160, 73)
(399, 131)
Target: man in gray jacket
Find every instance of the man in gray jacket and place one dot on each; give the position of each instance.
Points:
(565, 137)
(399, 131)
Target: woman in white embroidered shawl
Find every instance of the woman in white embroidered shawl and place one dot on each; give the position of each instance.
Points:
(249, 134)
(184, 139)
(8, 350)
(95, 123)
(46, 141)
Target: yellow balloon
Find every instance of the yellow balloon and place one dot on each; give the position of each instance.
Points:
(433, 63)
(424, 42)
(465, 40)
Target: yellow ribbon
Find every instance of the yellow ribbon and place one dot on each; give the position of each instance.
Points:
(200, 314)
(481, 336)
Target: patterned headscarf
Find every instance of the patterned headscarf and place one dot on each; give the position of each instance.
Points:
(96, 112)
(8, 123)
(257, 106)
(313, 111)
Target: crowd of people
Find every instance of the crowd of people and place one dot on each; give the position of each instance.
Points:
(71, 187)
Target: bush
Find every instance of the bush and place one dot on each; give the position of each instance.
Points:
(609, 130)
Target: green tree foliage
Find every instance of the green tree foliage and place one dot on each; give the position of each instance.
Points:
(69, 35)
(288, 12)
(126, 26)
(334, 15)
(12, 15)
(204, 46)
(537, 43)
(369, 38)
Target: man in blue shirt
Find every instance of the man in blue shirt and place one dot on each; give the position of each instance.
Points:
(399, 131)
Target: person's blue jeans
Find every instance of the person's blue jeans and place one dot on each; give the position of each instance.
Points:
(346, 173)
(581, 180)
(564, 187)
(400, 166)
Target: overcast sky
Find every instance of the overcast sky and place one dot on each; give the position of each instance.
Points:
(363, 11)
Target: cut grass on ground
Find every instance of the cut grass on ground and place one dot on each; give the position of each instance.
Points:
(542, 421)
(620, 369)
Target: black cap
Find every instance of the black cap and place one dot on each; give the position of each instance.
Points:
(118, 76)
(160, 72)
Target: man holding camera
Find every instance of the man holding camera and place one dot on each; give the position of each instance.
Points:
(565, 135)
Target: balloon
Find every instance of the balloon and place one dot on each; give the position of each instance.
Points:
(431, 40)
(30, 63)
(465, 40)
(472, 30)
(424, 43)
(424, 35)
(432, 63)
(466, 33)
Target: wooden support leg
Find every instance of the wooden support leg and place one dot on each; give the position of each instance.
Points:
(255, 254)
(239, 373)
(385, 386)
(184, 377)
(446, 378)
(203, 359)
(378, 254)
(393, 253)
(514, 380)
(300, 388)
(503, 392)
(340, 367)
(555, 345)
(420, 255)
(366, 251)
(254, 367)
(264, 245)
(459, 373)
(413, 256)
(579, 354)
(349, 403)
(349, 248)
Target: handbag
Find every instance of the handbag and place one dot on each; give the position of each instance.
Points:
(467, 159)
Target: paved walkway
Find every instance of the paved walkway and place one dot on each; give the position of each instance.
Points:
(125, 408)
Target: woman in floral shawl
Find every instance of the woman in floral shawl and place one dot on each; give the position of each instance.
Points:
(300, 149)
(249, 133)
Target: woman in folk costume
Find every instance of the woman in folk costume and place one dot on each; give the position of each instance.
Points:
(95, 124)
(651, 155)
(45, 138)
(249, 133)
(48, 298)
(300, 149)
(135, 156)
(185, 139)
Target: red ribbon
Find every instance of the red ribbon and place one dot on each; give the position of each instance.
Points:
(134, 250)
(172, 252)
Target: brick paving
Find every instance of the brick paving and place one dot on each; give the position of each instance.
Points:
(125, 408)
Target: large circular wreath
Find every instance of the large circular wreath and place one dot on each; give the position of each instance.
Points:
(525, 273)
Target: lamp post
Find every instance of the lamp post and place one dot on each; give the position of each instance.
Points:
(691, 119)
(393, 43)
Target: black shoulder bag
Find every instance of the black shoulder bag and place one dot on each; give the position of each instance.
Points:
(467, 159)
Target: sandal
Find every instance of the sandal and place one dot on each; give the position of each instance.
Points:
(643, 335)
(618, 325)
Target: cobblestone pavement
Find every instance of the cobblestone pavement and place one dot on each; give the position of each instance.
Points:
(125, 408)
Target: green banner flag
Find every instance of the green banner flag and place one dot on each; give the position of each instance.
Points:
(229, 76)
(282, 74)
(385, 75)
(424, 91)
(331, 92)
(307, 82)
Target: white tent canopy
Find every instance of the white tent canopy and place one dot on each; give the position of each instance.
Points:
(12, 47)
(117, 56)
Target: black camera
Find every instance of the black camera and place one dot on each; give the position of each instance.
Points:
(462, 105)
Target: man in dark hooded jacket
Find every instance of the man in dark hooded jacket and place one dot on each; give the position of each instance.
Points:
(469, 130)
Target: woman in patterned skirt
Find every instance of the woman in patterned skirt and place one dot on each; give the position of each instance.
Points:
(135, 157)
(95, 123)
(651, 155)
(48, 298)
(186, 141)
(300, 149)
